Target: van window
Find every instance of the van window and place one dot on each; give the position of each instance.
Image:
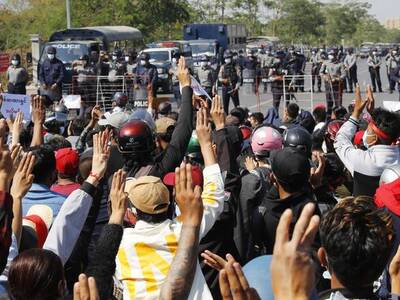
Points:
(67, 52)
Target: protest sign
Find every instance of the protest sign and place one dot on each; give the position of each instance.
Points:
(197, 88)
(13, 103)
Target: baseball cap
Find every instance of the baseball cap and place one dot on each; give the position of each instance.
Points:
(197, 177)
(290, 166)
(115, 119)
(163, 124)
(67, 161)
(148, 194)
(39, 217)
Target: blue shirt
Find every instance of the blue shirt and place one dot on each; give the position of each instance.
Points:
(41, 194)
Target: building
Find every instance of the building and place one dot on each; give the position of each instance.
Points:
(393, 23)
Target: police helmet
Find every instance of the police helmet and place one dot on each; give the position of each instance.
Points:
(228, 54)
(204, 58)
(144, 56)
(16, 56)
(84, 57)
(51, 50)
(120, 99)
(135, 138)
(165, 108)
(298, 137)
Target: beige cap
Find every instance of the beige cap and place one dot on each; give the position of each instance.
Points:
(148, 194)
(163, 124)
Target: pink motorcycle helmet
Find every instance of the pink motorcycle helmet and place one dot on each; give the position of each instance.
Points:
(264, 140)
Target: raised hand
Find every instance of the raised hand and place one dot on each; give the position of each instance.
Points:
(217, 113)
(17, 128)
(38, 111)
(183, 73)
(394, 271)
(213, 260)
(359, 104)
(292, 269)
(233, 284)
(203, 127)
(6, 167)
(16, 155)
(317, 174)
(188, 198)
(86, 289)
(370, 99)
(23, 177)
(101, 153)
(119, 199)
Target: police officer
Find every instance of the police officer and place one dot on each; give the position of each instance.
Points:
(316, 63)
(17, 76)
(205, 75)
(395, 78)
(350, 63)
(117, 67)
(392, 62)
(173, 71)
(276, 73)
(333, 72)
(146, 75)
(85, 74)
(296, 65)
(130, 61)
(266, 63)
(51, 75)
(249, 72)
(229, 77)
(374, 67)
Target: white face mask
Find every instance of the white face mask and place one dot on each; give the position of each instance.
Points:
(374, 53)
(331, 57)
(203, 63)
(313, 53)
(228, 60)
(15, 62)
(174, 60)
(50, 56)
(364, 139)
(127, 58)
(114, 57)
(142, 62)
(394, 52)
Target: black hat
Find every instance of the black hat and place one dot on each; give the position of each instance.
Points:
(290, 166)
(51, 50)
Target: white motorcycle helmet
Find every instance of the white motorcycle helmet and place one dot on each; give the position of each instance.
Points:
(390, 174)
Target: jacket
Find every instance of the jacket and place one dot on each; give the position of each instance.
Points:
(146, 251)
(175, 151)
(41, 194)
(266, 216)
(367, 166)
(51, 72)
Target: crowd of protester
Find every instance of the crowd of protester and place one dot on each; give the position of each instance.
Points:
(160, 204)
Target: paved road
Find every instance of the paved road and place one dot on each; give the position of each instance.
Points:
(304, 100)
(264, 100)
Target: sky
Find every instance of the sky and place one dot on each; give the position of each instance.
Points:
(384, 9)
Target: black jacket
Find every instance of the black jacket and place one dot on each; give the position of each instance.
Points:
(266, 216)
(174, 153)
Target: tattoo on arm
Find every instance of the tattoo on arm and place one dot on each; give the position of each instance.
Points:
(181, 273)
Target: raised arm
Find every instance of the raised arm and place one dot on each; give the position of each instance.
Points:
(38, 115)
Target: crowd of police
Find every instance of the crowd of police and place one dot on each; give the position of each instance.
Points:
(277, 68)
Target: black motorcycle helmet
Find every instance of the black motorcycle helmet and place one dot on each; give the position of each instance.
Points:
(136, 138)
(228, 54)
(121, 99)
(165, 108)
(298, 137)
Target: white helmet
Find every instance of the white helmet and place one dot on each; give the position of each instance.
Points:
(390, 174)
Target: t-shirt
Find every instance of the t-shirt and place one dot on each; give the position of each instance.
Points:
(66, 189)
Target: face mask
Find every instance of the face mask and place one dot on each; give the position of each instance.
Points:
(321, 50)
(267, 53)
(364, 139)
(114, 57)
(291, 51)
(374, 53)
(50, 56)
(235, 57)
(203, 63)
(174, 60)
(394, 52)
(331, 57)
(228, 60)
(127, 58)
(15, 62)
(142, 62)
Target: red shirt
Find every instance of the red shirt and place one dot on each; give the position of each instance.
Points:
(65, 190)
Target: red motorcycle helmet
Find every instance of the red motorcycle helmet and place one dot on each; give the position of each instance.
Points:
(135, 137)
(333, 128)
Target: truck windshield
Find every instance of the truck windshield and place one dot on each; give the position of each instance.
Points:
(67, 52)
(159, 55)
(203, 49)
